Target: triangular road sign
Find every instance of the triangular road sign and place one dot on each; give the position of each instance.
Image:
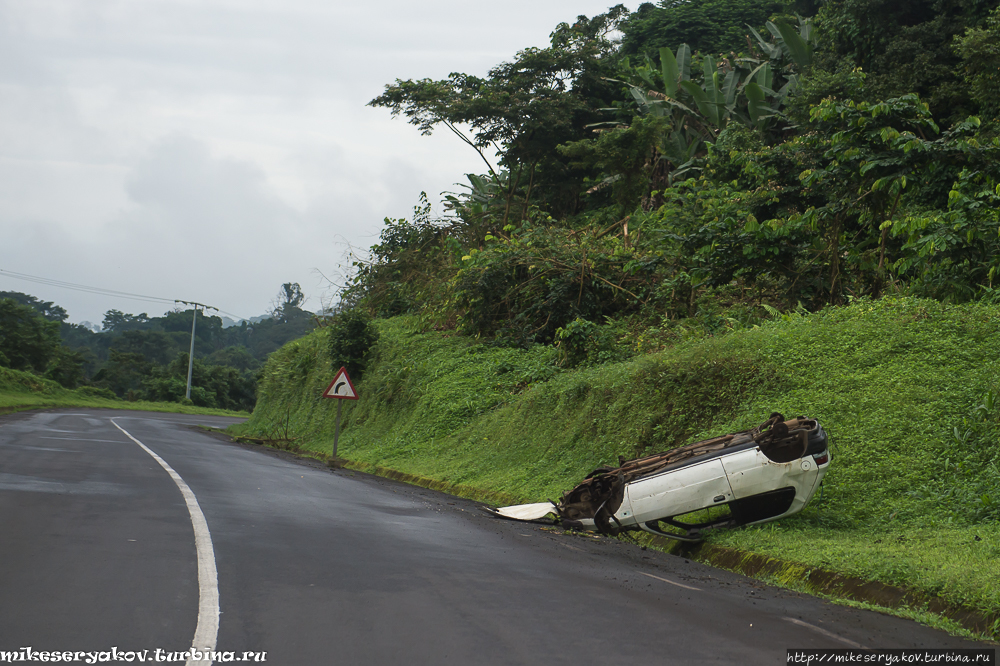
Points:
(341, 387)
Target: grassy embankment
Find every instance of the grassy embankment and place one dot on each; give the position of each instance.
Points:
(22, 390)
(902, 386)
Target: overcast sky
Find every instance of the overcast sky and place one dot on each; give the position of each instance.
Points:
(211, 150)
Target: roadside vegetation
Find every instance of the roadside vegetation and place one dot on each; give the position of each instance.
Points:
(649, 178)
(690, 216)
(139, 358)
(20, 391)
(906, 387)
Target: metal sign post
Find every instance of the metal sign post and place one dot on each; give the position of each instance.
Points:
(336, 429)
(340, 388)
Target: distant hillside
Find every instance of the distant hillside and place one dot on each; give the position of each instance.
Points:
(142, 357)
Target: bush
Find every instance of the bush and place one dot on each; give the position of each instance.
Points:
(522, 288)
(352, 335)
(66, 367)
(96, 392)
(582, 341)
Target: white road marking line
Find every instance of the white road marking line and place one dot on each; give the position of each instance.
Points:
(46, 448)
(828, 634)
(84, 439)
(686, 587)
(206, 632)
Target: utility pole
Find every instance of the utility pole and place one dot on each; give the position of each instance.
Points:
(194, 320)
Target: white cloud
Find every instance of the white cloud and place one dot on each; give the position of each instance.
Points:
(214, 149)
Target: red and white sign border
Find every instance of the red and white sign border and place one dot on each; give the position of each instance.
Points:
(341, 373)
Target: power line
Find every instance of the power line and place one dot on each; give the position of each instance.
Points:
(230, 314)
(100, 291)
(84, 288)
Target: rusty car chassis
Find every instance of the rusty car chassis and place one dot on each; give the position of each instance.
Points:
(759, 475)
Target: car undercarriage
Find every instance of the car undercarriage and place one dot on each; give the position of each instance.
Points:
(743, 478)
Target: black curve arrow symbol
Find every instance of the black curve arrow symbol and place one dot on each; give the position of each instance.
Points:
(336, 389)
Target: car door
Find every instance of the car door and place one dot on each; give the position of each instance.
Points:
(679, 491)
(751, 473)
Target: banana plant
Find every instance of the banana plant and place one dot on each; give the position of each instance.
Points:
(758, 87)
(789, 52)
(796, 46)
(675, 69)
(749, 89)
(482, 192)
(716, 96)
(659, 94)
(708, 104)
(699, 107)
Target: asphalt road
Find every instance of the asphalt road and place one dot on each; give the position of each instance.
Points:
(97, 550)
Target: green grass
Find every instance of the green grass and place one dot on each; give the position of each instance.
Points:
(22, 390)
(901, 385)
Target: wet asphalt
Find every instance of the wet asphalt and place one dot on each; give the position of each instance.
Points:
(320, 566)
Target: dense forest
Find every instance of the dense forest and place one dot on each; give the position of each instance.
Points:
(695, 166)
(138, 357)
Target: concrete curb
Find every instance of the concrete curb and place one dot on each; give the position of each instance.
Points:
(457, 489)
(833, 584)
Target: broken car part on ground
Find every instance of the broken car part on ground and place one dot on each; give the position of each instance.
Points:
(748, 477)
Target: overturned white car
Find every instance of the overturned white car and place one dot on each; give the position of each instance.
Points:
(757, 475)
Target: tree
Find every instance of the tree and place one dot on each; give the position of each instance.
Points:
(47, 309)
(124, 372)
(708, 26)
(269, 334)
(286, 304)
(856, 201)
(632, 161)
(955, 254)
(235, 356)
(871, 153)
(403, 271)
(116, 321)
(523, 288)
(212, 385)
(979, 49)
(209, 334)
(66, 367)
(907, 47)
(684, 105)
(523, 109)
(156, 346)
(27, 340)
